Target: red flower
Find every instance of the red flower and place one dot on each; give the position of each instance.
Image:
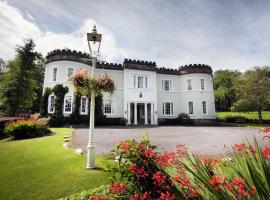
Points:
(217, 180)
(266, 153)
(265, 130)
(148, 153)
(118, 188)
(186, 182)
(137, 196)
(124, 146)
(253, 191)
(166, 159)
(159, 179)
(181, 150)
(166, 196)
(139, 172)
(239, 147)
(99, 198)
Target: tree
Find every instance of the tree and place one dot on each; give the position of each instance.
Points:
(224, 91)
(253, 91)
(21, 84)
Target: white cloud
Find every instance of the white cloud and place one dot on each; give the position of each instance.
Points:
(16, 25)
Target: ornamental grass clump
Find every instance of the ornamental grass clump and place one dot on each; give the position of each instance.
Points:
(85, 84)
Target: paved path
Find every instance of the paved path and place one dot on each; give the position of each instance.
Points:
(200, 140)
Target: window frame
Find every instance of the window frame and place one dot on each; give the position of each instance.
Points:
(86, 105)
(192, 108)
(171, 108)
(205, 108)
(55, 72)
(138, 82)
(163, 85)
(113, 106)
(189, 83)
(68, 71)
(71, 102)
(50, 104)
(202, 81)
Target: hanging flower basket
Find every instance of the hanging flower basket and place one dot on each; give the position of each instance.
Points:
(85, 84)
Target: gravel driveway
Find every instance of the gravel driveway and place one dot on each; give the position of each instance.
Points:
(200, 140)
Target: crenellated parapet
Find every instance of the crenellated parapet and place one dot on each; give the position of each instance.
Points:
(139, 65)
(111, 66)
(78, 56)
(195, 68)
(163, 70)
(69, 55)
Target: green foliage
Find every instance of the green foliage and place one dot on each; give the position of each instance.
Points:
(182, 119)
(59, 91)
(44, 102)
(225, 93)
(26, 129)
(75, 116)
(253, 90)
(21, 82)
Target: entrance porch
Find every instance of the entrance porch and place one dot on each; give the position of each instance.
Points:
(140, 113)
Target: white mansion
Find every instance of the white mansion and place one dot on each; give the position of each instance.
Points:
(144, 93)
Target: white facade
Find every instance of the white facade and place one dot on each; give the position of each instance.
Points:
(141, 89)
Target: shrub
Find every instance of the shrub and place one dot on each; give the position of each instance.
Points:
(235, 119)
(57, 121)
(106, 121)
(184, 119)
(26, 129)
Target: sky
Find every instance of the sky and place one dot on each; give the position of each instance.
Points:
(225, 34)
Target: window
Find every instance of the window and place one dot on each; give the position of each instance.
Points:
(167, 108)
(51, 104)
(204, 111)
(166, 85)
(189, 86)
(190, 108)
(54, 74)
(134, 81)
(202, 84)
(68, 104)
(70, 72)
(146, 83)
(140, 81)
(109, 107)
(84, 105)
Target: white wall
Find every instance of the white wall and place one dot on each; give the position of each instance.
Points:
(62, 78)
(125, 91)
(180, 96)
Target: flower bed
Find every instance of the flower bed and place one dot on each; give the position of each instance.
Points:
(22, 129)
(143, 172)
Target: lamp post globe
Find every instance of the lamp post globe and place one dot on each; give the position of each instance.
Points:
(94, 41)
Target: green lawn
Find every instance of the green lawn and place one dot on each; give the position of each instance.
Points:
(41, 168)
(249, 115)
